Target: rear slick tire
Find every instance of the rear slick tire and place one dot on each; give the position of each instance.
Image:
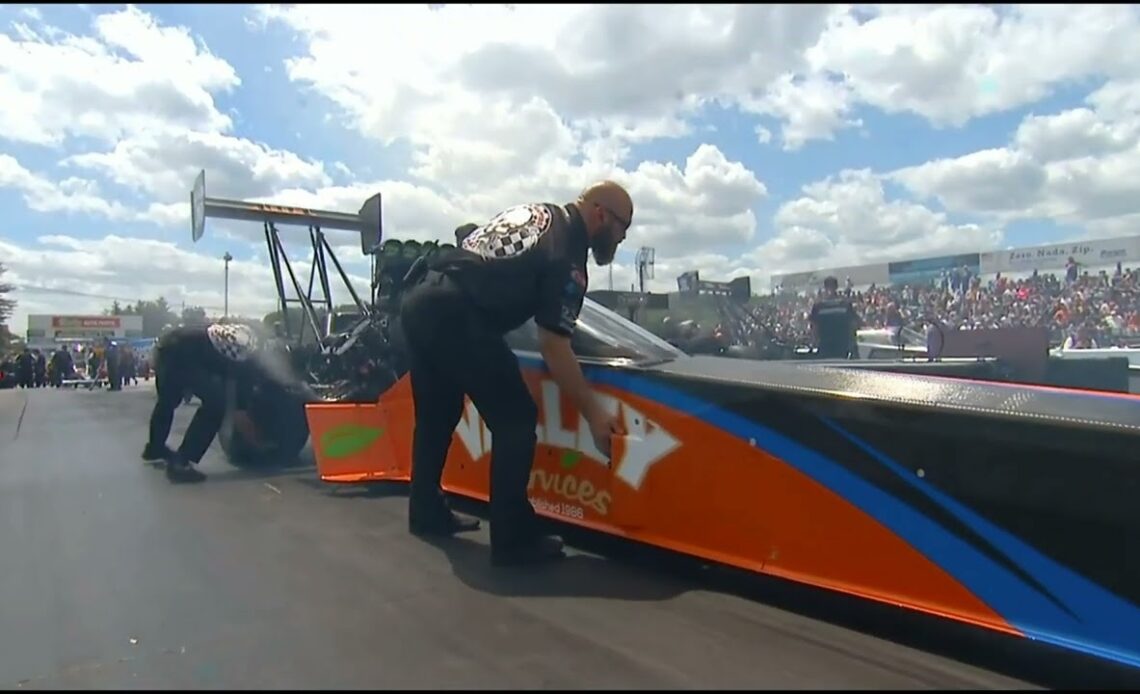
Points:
(283, 430)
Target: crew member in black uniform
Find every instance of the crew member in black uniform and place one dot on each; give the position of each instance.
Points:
(40, 369)
(195, 359)
(61, 366)
(528, 261)
(26, 369)
(833, 323)
(112, 358)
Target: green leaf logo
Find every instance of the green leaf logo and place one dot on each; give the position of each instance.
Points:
(348, 439)
(570, 459)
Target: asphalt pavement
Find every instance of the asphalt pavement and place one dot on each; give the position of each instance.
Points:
(114, 578)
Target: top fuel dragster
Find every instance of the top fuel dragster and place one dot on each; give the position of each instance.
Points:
(1007, 506)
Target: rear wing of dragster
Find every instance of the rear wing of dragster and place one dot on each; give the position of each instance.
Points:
(368, 223)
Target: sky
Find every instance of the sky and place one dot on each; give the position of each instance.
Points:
(754, 139)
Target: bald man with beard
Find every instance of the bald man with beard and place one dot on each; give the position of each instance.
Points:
(528, 261)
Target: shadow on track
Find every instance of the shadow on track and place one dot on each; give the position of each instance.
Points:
(616, 574)
(1041, 664)
(576, 576)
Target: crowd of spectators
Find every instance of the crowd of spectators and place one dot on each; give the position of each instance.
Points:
(1082, 308)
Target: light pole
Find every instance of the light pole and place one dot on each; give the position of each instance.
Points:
(226, 306)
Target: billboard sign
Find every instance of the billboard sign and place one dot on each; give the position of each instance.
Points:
(1093, 252)
(691, 283)
(930, 269)
(87, 322)
(79, 327)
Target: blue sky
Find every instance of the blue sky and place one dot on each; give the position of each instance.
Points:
(392, 100)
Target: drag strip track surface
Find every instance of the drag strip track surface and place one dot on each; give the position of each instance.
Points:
(113, 578)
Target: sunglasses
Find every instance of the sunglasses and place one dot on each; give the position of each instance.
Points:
(617, 217)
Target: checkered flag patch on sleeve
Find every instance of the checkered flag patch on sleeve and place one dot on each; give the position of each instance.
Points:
(234, 342)
(509, 233)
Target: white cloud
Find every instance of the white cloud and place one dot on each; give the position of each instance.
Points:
(96, 270)
(995, 180)
(129, 76)
(69, 196)
(951, 63)
(811, 109)
(495, 115)
(1073, 134)
(161, 163)
(849, 220)
(1079, 166)
(500, 104)
(578, 59)
(456, 96)
(138, 101)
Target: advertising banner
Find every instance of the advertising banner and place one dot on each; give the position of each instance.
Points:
(86, 322)
(925, 270)
(1093, 253)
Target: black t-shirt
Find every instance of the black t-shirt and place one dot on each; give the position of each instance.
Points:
(835, 321)
(528, 261)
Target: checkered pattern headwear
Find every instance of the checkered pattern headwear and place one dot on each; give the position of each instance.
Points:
(235, 342)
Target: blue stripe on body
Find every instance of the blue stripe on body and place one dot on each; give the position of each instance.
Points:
(1098, 610)
(1108, 626)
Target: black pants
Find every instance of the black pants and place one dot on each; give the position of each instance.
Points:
(175, 377)
(451, 354)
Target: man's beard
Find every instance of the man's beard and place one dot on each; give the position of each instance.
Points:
(603, 249)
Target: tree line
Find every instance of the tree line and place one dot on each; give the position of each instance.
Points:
(7, 305)
(156, 314)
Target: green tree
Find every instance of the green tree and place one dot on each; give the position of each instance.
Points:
(194, 315)
(155, 314)
(7, 304)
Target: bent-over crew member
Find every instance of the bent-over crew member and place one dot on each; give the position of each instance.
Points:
(195, 359)
(528, 261)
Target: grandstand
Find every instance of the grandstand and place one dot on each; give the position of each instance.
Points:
(1087, 291)
(1092, 254)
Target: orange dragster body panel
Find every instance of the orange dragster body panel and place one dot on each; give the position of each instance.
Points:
(675, 482)
(1001, 505)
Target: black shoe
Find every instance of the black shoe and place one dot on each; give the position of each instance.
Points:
(157, 454)
(441, 523)
(541, 550)
(179, 470)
